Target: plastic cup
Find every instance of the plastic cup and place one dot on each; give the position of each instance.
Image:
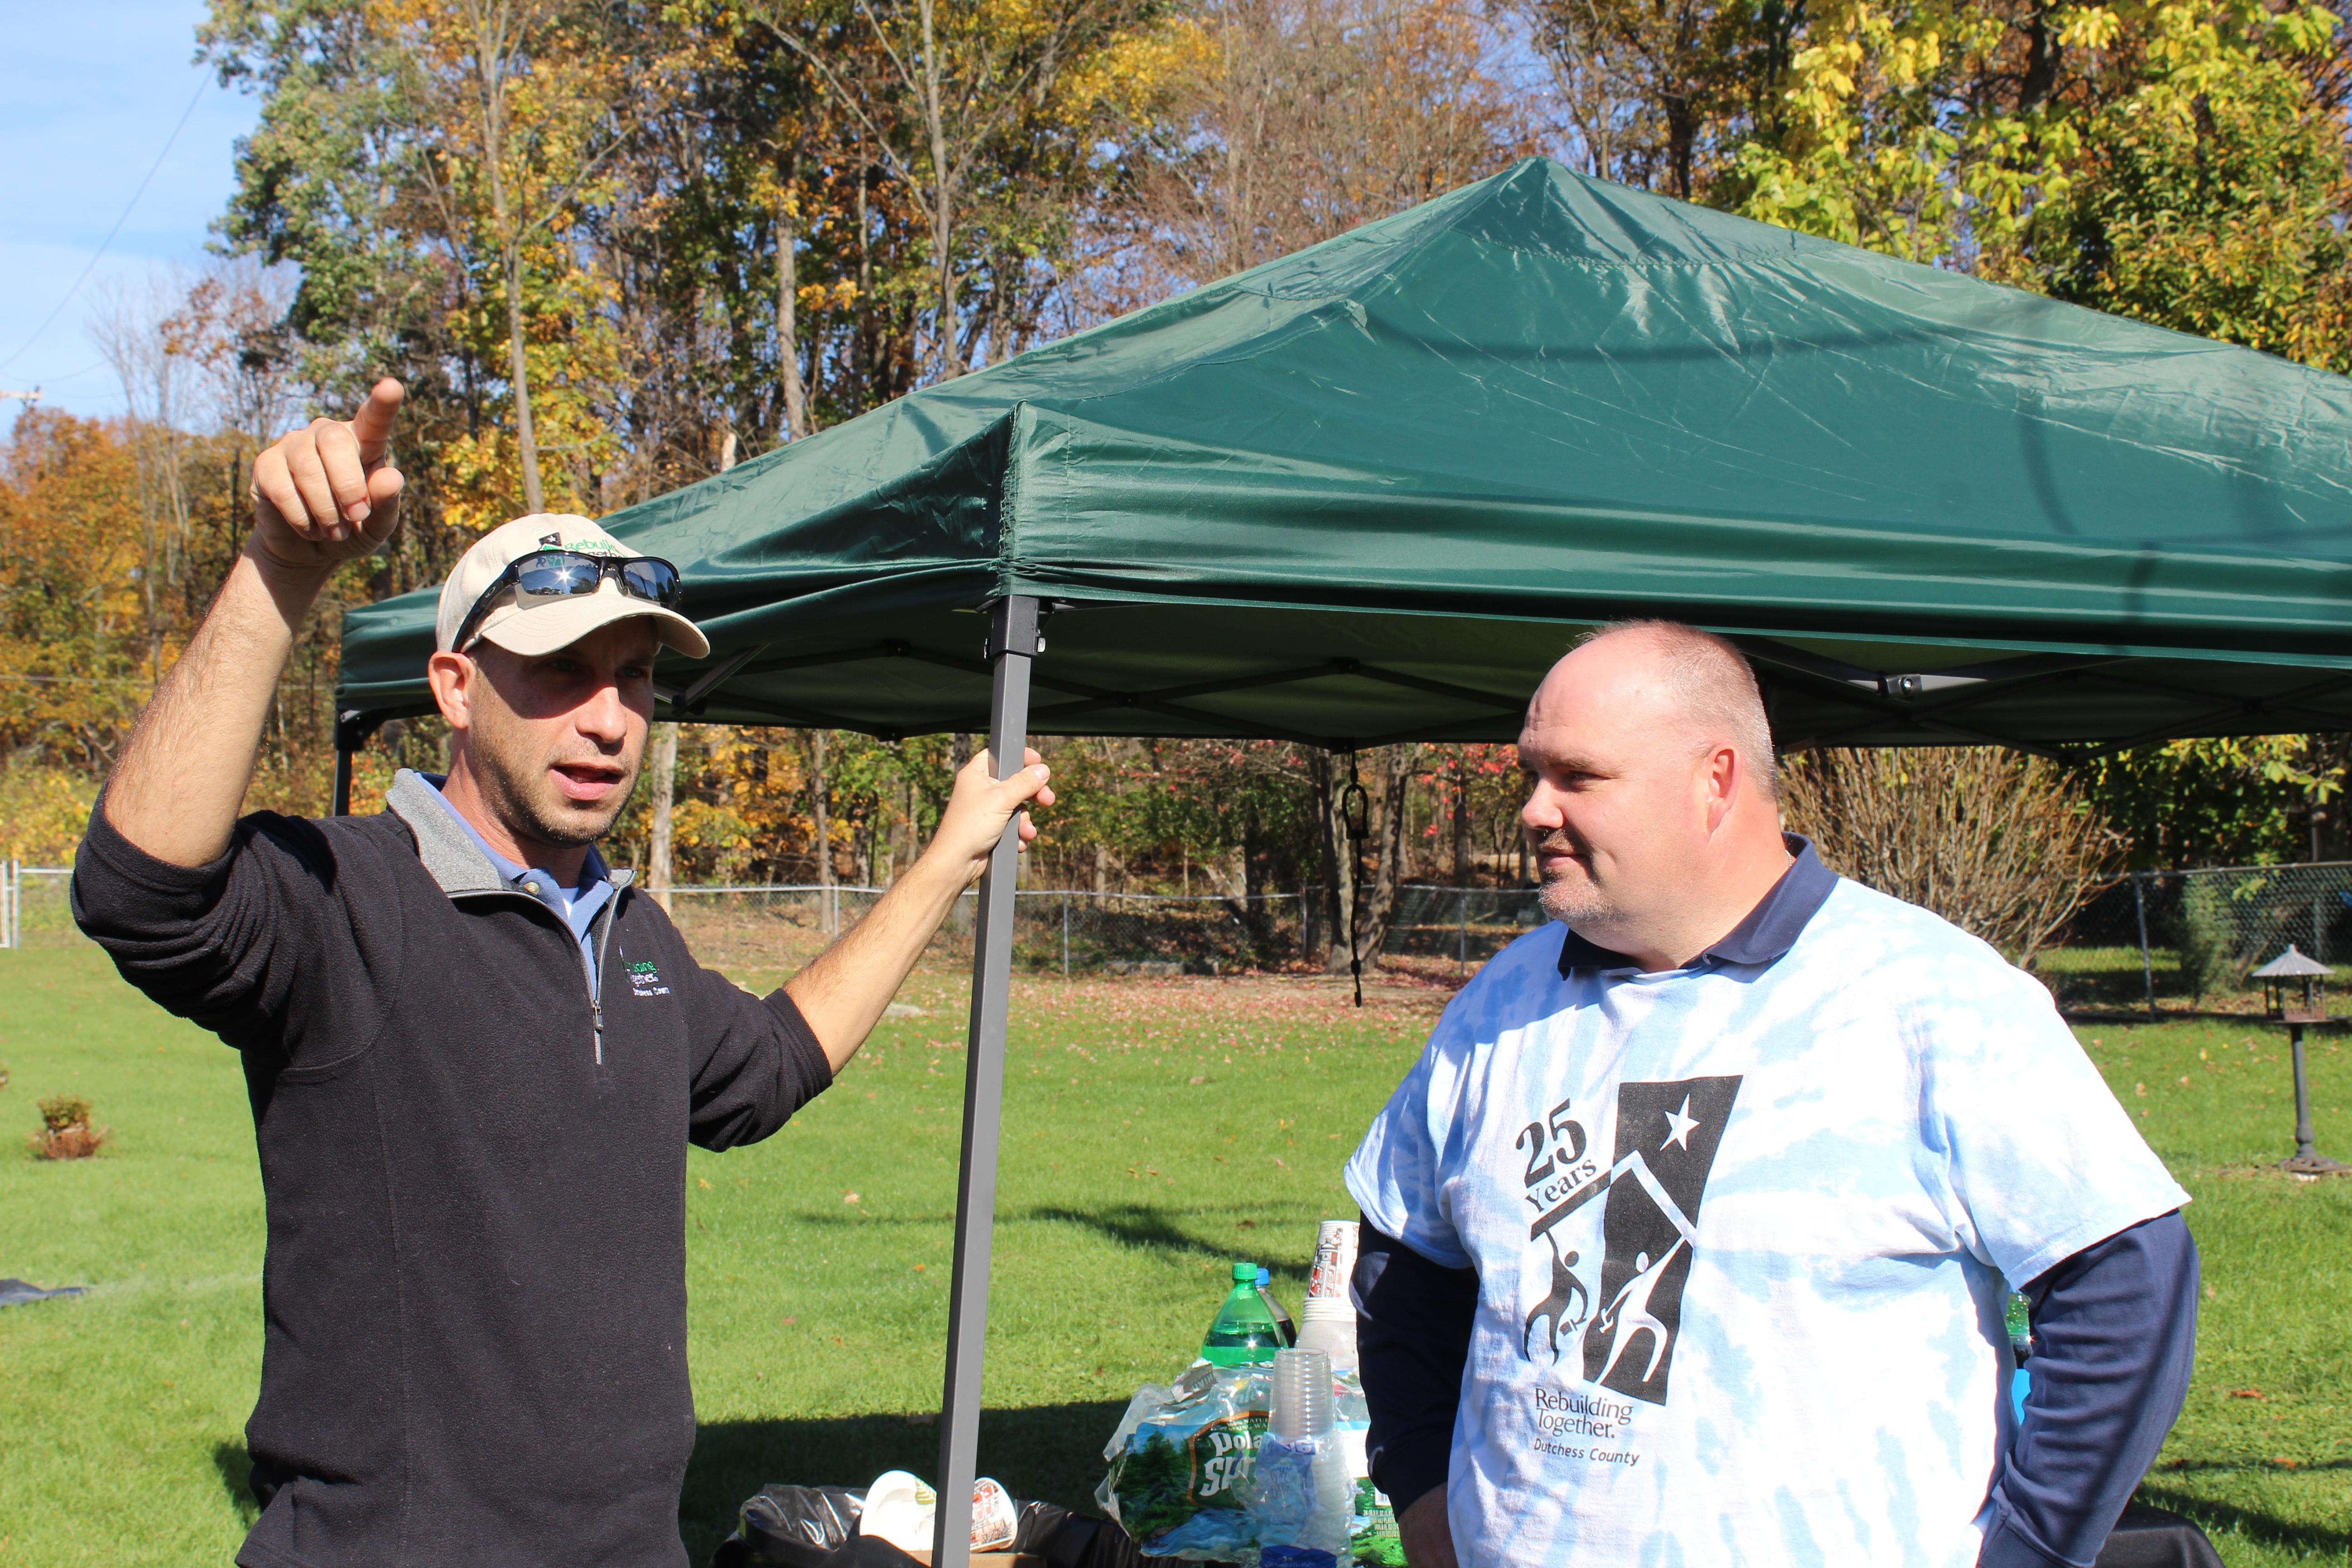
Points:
(1302, 1395)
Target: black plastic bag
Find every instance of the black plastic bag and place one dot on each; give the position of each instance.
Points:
(816, 1527)
(791, 1527)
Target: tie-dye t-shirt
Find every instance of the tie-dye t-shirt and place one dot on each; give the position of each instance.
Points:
(1742, 1234)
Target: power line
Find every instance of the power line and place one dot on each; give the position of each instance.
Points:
(50, 318)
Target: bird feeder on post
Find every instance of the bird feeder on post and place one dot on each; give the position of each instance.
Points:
(2295, 992)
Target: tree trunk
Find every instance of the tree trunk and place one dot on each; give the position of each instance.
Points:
(942, 203)
(1461, 822)
(788, 342)
(1336, 854)
(665, 765)
(1391, 798)
(824, 829)
(534, 500)
(868, 337)
(489, 64)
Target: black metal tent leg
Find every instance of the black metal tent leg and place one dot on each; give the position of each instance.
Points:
(353, 728)
(1013, 643)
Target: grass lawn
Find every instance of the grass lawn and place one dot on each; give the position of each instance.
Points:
(1155, 1129)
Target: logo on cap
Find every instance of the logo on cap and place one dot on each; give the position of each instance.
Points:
(550, 539)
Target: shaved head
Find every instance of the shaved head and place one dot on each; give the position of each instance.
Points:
(1652, 805)
(1711, 683)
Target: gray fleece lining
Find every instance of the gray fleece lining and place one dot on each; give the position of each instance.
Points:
(448, 851)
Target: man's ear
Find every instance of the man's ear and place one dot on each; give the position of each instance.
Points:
(1726, 774)
(451, 676)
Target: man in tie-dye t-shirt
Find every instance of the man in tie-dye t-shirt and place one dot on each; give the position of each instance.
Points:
(1688, 1237)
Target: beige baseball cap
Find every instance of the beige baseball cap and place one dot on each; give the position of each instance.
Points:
(545, 626)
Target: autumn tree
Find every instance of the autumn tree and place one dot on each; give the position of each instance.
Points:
(1285, 123)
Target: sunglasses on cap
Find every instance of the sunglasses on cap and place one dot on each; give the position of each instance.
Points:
(544, 576)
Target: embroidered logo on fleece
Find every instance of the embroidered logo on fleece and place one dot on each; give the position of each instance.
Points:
(645, 980)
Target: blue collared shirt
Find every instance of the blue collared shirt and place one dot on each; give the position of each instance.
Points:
(1770, 930)
(576, 907)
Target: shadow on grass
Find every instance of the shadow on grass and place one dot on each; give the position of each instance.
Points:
(235, 1468)
(1150, 1227)
(1049, 1452)
(2215, 1518)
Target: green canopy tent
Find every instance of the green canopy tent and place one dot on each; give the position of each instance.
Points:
(1366, 493)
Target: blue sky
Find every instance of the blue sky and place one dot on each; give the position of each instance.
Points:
(90, 90)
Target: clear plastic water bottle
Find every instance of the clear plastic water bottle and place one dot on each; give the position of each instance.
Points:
(1281, 1319)
(1245, 1332)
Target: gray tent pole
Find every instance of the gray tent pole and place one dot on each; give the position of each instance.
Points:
(1012, 644)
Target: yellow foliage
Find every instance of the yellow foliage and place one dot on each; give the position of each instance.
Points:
(43, 810)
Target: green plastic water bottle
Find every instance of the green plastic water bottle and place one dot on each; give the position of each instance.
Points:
(1245, 1332)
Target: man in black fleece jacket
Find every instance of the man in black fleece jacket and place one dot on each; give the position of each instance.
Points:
(475, 1057)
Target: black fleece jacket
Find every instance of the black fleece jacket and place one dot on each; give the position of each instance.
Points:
(475, 1291)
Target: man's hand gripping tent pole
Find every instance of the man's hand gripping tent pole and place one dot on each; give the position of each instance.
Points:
(1012, 644)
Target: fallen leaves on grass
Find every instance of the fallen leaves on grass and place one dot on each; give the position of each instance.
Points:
(2247, 1394)
(66, 1132)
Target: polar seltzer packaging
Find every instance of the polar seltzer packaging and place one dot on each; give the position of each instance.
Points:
(1178, 1461)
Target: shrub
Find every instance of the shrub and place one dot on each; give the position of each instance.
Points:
(2209, 960)
(67, 1132)
(2003, 845)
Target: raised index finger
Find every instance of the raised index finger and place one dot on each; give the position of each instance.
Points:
(372, 425)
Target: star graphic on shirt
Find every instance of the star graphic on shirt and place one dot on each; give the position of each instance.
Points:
(1680, 1124)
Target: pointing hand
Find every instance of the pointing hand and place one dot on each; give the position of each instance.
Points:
(329, 492)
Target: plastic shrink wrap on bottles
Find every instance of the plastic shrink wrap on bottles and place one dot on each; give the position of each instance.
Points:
(1180, 1462)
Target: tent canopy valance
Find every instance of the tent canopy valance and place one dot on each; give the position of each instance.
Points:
(1369, 492)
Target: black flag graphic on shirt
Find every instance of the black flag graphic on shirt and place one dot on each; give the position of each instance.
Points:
(1667, 1134)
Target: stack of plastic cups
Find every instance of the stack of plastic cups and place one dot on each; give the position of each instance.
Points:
(1327, 1317)
(1302, 1395)
(1305, 1498)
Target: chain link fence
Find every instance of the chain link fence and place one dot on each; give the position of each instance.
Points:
(1053, 930)
(2153, 940)
(1075, 931)
(1468, 925)
(35, 907)
(768, 927)
(2190, 938)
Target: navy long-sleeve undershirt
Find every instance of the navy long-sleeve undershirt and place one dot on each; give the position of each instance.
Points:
(2114, 1336)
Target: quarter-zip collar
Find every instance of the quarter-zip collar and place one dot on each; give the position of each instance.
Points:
(577, 907)
(452, 854)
